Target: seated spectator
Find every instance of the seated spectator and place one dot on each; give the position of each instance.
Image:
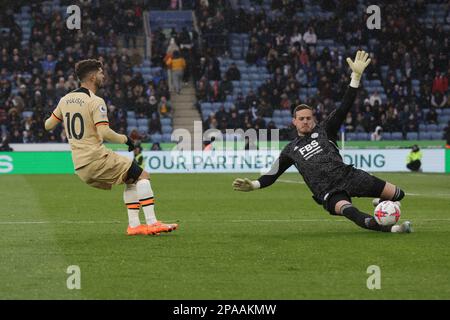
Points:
(349, 123)
(446, 135)
(214, 93)
(375, 96)
(438, 100)
(155, 124)
(4, 146)
(412, 124)
(234, 122)
(202, 90)
(156, 147)
(296, 37)
(270, 126)
(211, 122)
(265, 109)
(233, 73)
(259, 123)
(165, 108)
(226, 87)
(377, 134)
(310, 37)
(432, 117)
(440, 83)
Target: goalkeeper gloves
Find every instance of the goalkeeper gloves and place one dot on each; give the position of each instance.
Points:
(245, 185)
(362, 60)
(130, 144)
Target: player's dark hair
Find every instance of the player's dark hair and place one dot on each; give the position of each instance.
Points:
(84, 67)
(301, 107)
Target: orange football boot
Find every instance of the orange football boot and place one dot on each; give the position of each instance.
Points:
(158, 227)
(140, 229)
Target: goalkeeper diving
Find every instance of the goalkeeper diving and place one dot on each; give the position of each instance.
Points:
(315, 154)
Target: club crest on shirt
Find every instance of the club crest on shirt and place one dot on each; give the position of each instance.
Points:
(314, 135)
(103, 109)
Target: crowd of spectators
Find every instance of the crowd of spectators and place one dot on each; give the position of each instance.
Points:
(33, 77)
(287, 45)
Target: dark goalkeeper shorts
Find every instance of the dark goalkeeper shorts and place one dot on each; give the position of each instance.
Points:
(357, 183)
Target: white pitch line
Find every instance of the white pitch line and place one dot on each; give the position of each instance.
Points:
(202, 221)
(59, 222)
(287, 220)
(324, 220)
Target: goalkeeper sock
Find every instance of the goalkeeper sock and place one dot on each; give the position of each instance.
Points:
(362, 219)
(131, 200)
(145, 195)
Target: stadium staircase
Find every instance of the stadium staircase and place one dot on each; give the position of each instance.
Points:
(185, 114)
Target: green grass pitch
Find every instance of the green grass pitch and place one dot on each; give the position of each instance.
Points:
(275, 243)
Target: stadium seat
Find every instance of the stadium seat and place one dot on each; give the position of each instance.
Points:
(166, 121)
(131, 114)
(216, 106)
(432, 127)
(167, 137)
(277, 113)
(350, 136)
(362, 136)
(412, 136)
(443, 119)
(167, 129)
(387, 136)
(142, 122)
(129, 129)
(422, 127)
(27, 114)
(397, 136)
(132, 122)
(425, 135)
(156, 137)
(437, 135)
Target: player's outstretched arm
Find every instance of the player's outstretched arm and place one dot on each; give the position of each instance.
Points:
(337, 117)
(107, 134)
(277, 169)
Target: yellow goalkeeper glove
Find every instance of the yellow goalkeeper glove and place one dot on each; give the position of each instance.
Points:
(245, 185)
(362, 60)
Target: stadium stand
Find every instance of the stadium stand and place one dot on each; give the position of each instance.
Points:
(258, 59)
(37, 58)
(292, 52)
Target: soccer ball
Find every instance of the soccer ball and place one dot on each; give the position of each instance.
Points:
(387, 213)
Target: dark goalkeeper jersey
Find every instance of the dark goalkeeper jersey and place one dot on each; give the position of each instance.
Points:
(316, 155)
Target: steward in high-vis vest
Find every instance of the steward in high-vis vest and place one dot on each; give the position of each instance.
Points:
(413, 161)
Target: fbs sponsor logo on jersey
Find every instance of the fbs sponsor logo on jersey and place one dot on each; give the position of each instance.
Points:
(310, 149)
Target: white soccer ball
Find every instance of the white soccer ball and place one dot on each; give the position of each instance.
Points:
(387, 213)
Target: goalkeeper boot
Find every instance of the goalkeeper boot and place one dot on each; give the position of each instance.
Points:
(405, 227)
(158, 227)
(140, 229)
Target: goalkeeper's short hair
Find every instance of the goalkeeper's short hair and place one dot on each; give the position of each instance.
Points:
(301, 107)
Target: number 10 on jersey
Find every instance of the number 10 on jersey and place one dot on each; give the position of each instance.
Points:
(70, 126)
